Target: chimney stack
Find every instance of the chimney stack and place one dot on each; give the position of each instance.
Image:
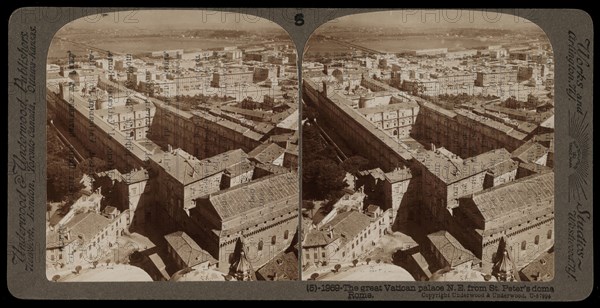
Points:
(329, 232)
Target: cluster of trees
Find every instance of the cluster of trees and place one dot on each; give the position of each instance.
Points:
(322, 177)
(531, 103)
(64, 174)
(458, 99)
(62, 179)
(309, 113)
(354, 164)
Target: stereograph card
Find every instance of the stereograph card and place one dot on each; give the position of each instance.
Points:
(300, 154)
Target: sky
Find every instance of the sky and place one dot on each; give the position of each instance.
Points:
(444, 18)
(204, 19)
(172, 20)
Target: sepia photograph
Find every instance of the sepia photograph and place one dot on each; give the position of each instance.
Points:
(428, 148)
(172, 148)
(339, 154)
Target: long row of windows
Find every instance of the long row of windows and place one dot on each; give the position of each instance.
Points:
(234, 239)
(536, 240)
(286, 235)
(517, 231)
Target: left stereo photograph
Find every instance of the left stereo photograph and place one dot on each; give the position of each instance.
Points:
(172, 149)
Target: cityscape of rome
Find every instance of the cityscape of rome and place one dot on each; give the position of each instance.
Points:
(172, 150)
(186, 146)
(427, 149)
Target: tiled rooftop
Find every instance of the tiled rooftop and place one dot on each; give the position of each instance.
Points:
(450, 248)
(535, 191)
(187, 249)
(258, 193)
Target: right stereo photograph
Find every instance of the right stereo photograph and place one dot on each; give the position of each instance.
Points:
(427, 148)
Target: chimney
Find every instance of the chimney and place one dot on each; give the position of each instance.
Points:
(330, 232)
(170, 148)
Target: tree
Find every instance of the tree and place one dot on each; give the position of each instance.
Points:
(59, 185)
(135, 256)
(311, 143)
(533, 99)
(314, 276)
(337, 268)
(378, 261)
(77, 269)
(368, 260)
(322, 176)
(419, 89)
(55, 278)
(309, 113)
(354, 262)
(107, 262)
(309, 205)
(92, 165)
(512, 102)
(356, 163)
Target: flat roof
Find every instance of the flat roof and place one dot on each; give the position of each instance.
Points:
(187, 169)
(389, 107)
(391, 143)
(449, 170)
(398, 175)
(436, 108)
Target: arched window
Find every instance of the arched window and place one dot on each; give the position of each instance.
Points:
(273, 240)
(260, 245)
(537, 239)
(395, 132)
(549, 235)
(523, 245)
(286, 234)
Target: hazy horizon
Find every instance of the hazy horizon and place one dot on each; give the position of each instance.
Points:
(166, 19)
(432, 19)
